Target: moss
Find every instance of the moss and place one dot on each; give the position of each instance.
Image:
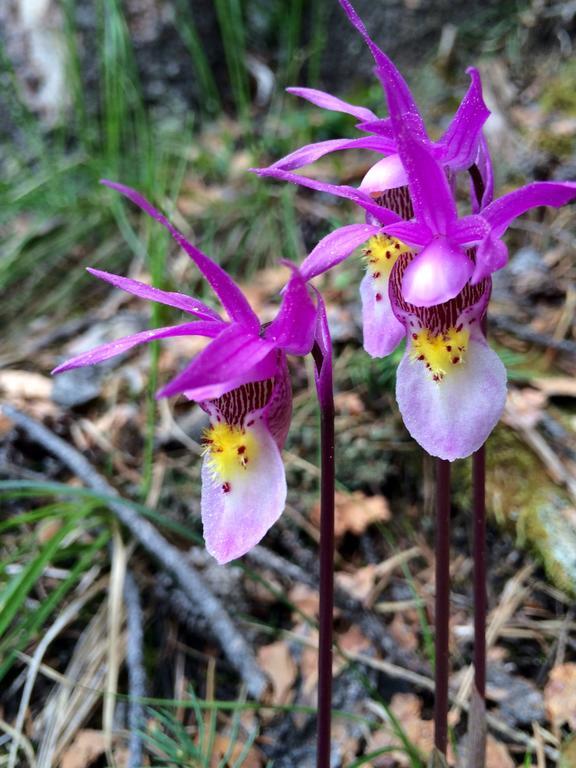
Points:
(522, 498)
(560, 94)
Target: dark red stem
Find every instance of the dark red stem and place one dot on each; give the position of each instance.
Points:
(442, 604)
(479, 479)
(326, 577)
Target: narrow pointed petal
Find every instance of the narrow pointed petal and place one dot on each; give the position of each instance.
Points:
(484, 167)
(382, 331)
(336, 247)
(452, 418)
(236, 519)
(232, 298)
(386, 71)
(410, 232)
(432, 197)
(460, 142)
(469, 230)
(387, 173)
(436, 274)
(118, 347)
(492, 255)
(384, 215)
(503, 211)
(233, 353)
(312, 152)
(266, 368)
(380, 128)
(334, 104)
(323, 376)
(294, 326)
(170, 298)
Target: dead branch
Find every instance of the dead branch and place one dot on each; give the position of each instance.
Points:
(233, 644)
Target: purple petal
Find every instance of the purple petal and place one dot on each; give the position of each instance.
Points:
(326, 101)
(294, 326)
(436, 274)
(118, 347)
(220, 365)
(387, 173)
(382, 331)
(410, 232)
(453, 418)
(232, 298)
(239, 510)
(312, 152)
(380, 213)
(503, 211)
(335, 247)
(323, 375)
(484, 168)
(432, 197)
(172, 299)
(469, 230)
(460, 142)
(380, 128)
(492, 255)
(267, 368)
(386, 71)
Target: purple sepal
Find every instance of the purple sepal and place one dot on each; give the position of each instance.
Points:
(336, 247)
(333, 103)
(461, 140)
(210, 329)
(232, 298)
(170, 298)
(293, 327)
(221, 364)
(312, 152)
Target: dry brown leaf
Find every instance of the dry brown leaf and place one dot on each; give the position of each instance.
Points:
(222, 746)
(86, 747)
(560, 695)
(360, 583)
(24, 385)
(497, 755)
(407, 708)
(355, 512)
(524, 407)
(277, 662)
(305, 599)
(404, 631)
(349, 402)
(556, 386)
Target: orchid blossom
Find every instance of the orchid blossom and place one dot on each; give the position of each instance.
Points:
(385, 185)
(443, 266)
(241, 380)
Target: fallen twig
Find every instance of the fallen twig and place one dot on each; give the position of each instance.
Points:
(135, 664)
(233, 644)
(525, 333)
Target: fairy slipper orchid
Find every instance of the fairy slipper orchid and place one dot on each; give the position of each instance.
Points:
(241, 380)
(459, 148)
(441, 237)
(383, 193)
(450, 386)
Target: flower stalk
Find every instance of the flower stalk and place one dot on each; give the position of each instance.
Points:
(477, 717)
(442, 602)
(326, 609)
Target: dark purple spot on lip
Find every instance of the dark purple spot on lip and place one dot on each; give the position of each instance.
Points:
(378, 297)
(226, 487)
